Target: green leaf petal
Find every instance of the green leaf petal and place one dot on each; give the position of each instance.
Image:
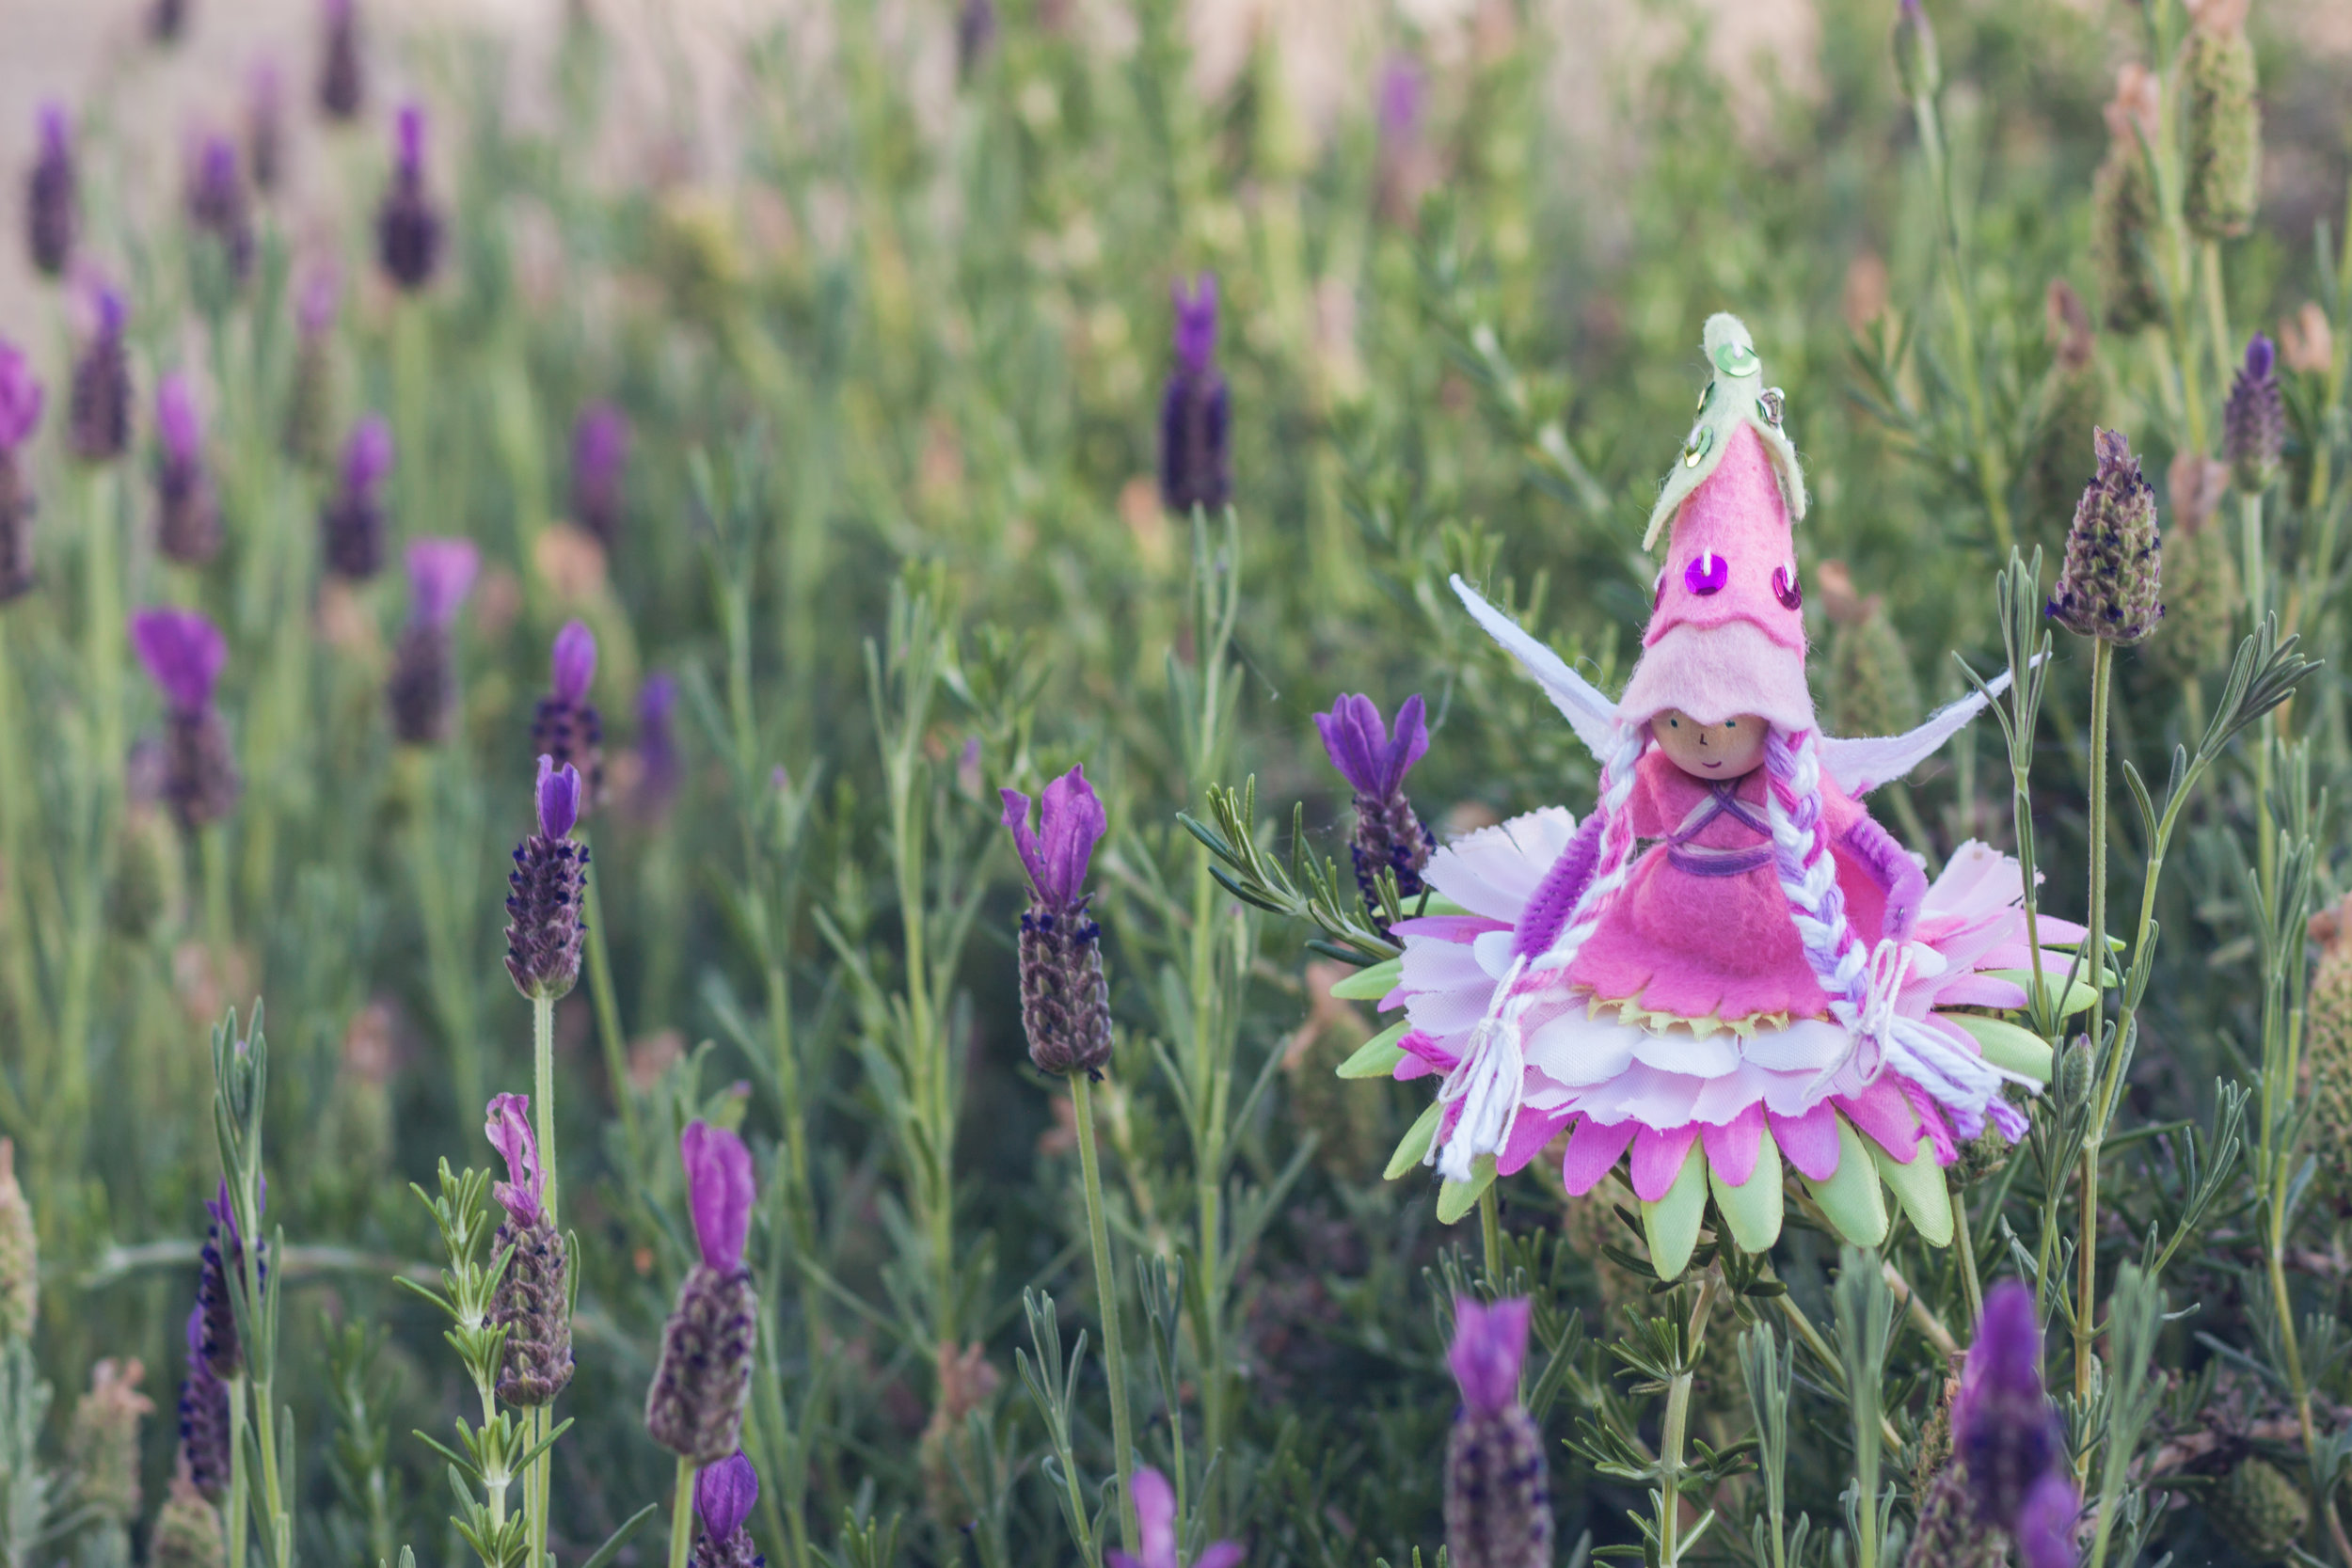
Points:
(1753, 1209)
(1672, 1224)
(2007, 1046)
(1416, 1142)
(1919, 1186)
(1378, 1056)
(1370, 985)
(1457, 1199)
(2078, 997)
(1851, 1197)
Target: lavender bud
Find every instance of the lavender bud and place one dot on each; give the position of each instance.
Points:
(20, 400)
(407, 225)
(2254, 419)
(1915, 65)
(724, 1495)
(2124, 213)
(2225, 130)
(352, 524)
(183, 652)
(422, 692)
(1388, 832)
(2004, 1430)
(1065, 1000)
(217, 207)
(2114, 564)
(19, 1254)
(2257, 1508)
(599, 470)
(187, 1530)
(101, 1443)
(566, 725)
(203, 1417)
(53, 206)
(695, 1405)
(549, 885)
(1498, 1501)
(1196, 447)
(99, 408)
(187, 514)
(532, 1302)
(342, 80)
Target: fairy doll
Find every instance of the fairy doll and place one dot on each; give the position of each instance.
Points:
(1773, 981)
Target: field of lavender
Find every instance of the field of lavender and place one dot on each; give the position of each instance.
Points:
(1047, 1061)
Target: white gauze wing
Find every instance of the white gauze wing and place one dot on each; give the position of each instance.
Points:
(1860, 766)
(1593, 716)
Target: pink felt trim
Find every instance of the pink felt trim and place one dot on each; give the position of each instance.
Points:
(1808, 1142)
(1593, 1153)
(1718, 672)
(1732, 1149)
(1657, 1157)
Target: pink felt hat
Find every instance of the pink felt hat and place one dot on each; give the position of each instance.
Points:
(1726, 633)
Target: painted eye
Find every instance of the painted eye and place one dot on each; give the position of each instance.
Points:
(1731, 723)
(1674, 723)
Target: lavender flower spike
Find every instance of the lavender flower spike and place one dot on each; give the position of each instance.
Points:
(51, 198)
(223, 1261)
(2004, 1429)
(533, 1301)
(20, 399)
(599, 470)
(422, 690)
(2045, 1528)
(182, 652)
(407, 225)
(549, 885)
(695, 1405)
(187, 528)
(658, 766)
(2254, 419)
(99, 409)
(216, 203)
(724, 1495)
(342, 78)
(566, 726)
(352, 524)
(441, 574)
(1065, 1000)
(1388, 832)
(1155, 1511)
(1497, 1503)
(2113, 569)
(204, 1417)
(1195, 449)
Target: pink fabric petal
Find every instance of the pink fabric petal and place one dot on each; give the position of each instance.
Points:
(1658, 1159)
(1424, 1054)
(1593, 1151)
(1530, 1132)
(1731, 1149)
(1809, 1141)
(1983, 990)
(1881, 1113)
(1460, 928)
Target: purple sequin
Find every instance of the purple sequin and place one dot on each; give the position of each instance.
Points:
(1707, 572)
(1786, 589)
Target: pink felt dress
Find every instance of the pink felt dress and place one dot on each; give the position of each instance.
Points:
(1702, 928)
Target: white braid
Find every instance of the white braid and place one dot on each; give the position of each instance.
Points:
(1490, 1079)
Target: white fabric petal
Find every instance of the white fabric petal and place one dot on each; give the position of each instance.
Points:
(1575, 1049)
(1443, 966)
(1493, 951)
(1496, 870)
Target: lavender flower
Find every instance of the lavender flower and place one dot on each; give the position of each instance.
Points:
(352, 523)
(53, 204)
(1155, 1513)
(658, 764)
(566, 725)
(2046, 1526)
(549, 885)
(218, 206)
(183, 652)
(422, 691)
(724, 1495)
(975, 30)
(100, 404)
(1405, 167)
(204, 1417)
(187, 525)
(1915, 65)
(222, 1261)
(2005, 1432)
(20, 399)
(599, 468)
(407, 225)
(695, 1405)
(1065, 1001)
(2114, 564)
(2254, 420)
(1195, 449)
(266, 125)
(168, 19)
(342, 79)
(1388, 832)
(310, 400)
(532, 1302)
(1497, 1503)
(187, 1531)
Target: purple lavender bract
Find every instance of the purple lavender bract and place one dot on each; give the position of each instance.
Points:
(52, 207)
(217, 207)
(204, 1417)
(533, 1300)
(1388, 831)
(408, 226)
(548, 887)
(223, 1261)
(342, 79)
(1497, 1500)
(599, 472)
(2254, 420)
(1155, 1515)
(1195, 449)
(99, 411)
(183, 652)
(694, 1407)
(352, 524)
(566, 726)
(1065, 1000)
(187, 514)
(724, 1495)
(421, 693)
(20, 400)
(2004, 1429)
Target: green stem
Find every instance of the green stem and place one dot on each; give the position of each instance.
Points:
(539, 1484)
(1992, 472)
(234, 1518)
(1490, 1233)
(2095, 945)
(272, 1486)
(1971, 1283)
(1106, 1296)
(1676, 1428)
(682, 1514)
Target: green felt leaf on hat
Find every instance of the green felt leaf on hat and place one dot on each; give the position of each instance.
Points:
(1851, 1197)
(1919, 1186)
(2007, 1046)
(1457, 1199)
(1416, 1142)
(1370, 985)
(1378, 1056)
(1753, 1209)
(1730, 354)
(1672, 1223)
(2076, 998)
